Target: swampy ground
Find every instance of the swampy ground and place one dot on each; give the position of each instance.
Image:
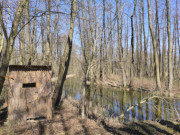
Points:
(67, 121)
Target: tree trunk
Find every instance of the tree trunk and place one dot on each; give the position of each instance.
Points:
(145, 44)
(47, 54)
(33, 39)
(120, 46)
(140, 37)
(157, 35)
(22, 43)
(28, 35)
(164, 53)
(177, 28)
(63, 67)
(2, 39)
(158, 82)
(175, 49)
(132, 46)
(42, 39)
(83, 99)
(170, 70)
(9, 40)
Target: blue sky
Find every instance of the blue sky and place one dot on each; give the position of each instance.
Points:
(64, 6)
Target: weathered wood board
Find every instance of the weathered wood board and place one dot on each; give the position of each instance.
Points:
(30, 95)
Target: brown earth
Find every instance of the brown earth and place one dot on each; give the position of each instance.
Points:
(67, 121)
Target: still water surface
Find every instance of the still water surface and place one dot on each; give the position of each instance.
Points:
(117, 101)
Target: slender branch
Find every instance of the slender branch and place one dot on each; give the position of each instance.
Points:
(2, 22)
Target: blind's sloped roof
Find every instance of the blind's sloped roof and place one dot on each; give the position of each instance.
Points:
(29, 68)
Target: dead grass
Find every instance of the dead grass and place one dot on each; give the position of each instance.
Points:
(145, 84)
(67, 121)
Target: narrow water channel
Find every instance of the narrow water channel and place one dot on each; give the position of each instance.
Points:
(118, 101)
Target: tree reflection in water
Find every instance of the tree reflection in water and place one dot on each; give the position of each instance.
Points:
(117, 101)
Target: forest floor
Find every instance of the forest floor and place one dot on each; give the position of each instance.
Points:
(67, 121)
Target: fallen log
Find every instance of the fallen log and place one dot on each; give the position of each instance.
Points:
(67, 77)
(141, 102)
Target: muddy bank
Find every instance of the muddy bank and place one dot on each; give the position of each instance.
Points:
(141, 84)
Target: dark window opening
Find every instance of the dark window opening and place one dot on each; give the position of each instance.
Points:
(37, 118)
(26, 85)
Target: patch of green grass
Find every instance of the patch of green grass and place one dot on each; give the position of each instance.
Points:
(2, 130)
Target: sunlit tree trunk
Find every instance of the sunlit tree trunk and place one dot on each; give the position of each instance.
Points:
(85, 63)
(140, 38)
(104, 27)
(175, 49)
(9, 39)
(48, 52)
(33, 39)
(120, 46)
(132, 46)
(22, 44)
(28, 34)
(164, 51)
(157, 35)
(2, 38)
(177, 28)
(42, 38)
(103, 43)
(64, 64)
(177, 37)
(170, 70)
(158, 82)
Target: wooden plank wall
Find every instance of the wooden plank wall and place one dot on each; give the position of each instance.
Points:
(28, 103)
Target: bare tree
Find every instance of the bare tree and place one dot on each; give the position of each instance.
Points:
(48, 52)
(170, 70)
(28, 34)
(120, 46)
(132, 45)
(158, 82)
(9, 39)
(63, 67)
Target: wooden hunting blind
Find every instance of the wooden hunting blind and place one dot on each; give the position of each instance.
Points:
(29, 95)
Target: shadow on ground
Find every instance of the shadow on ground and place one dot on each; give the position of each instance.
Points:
(67, 121)
(145, 128)
(3, 116)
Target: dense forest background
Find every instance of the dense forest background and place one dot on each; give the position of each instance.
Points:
(134, 39)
